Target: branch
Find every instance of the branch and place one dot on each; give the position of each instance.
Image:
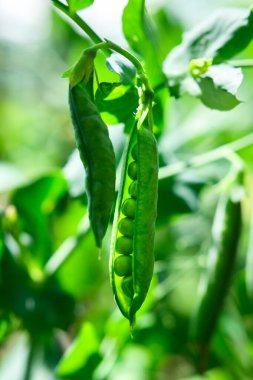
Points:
(223, 151)
(78, 20)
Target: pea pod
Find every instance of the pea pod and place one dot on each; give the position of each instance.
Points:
(96, 152)
(249, 261)
(134, 218)
(215, 281)
(1, 233)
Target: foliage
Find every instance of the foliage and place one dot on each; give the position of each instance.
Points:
(58, 318)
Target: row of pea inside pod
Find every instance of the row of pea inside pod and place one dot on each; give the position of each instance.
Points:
(124, 243)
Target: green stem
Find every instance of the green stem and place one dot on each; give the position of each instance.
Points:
(64, 252)
(127, 55)
(95, 48)
(150, 116)
(148, 92)
(107, 45)
(244, 63)
(223, 151)
(135, 61)
(29, 362)
(161, 85)
(79, 21)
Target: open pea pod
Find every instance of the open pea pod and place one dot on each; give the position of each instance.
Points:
(132, 257)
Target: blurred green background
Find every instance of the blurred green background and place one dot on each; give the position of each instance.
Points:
(71, 311)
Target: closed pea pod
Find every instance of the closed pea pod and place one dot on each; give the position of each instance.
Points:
(249, 260)
(131, 289)
(214, 283)
(96, 152)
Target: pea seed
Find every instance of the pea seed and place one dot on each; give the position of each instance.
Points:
(134, 152)
(126, 227)
(133, 170)
(123, 265)
(128, 207)
(124, 245)
(127, 286)
(132, 190)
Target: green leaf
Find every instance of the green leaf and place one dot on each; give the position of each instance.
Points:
(141, 36)
(231, 343)
(182, 198)
(111, 100)
(34, 203)
(120, 65)
(159, 110)
(220, 37)
(168, 28)
(216, 88)
(82, 349)
(77, 5)
(217, 39)
(76, 275)
(5, 326)
(18, 286)
(219, 86)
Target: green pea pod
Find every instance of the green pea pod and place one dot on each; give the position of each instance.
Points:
(83, 69)
(1, 242)
(97, 154)
(215, 281)
(135, 217)
(249, 261)
(1, 234)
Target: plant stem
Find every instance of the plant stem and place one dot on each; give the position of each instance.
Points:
(127, 55)
(147, 90)
(161, 85)
(222, 152)
(107, 45)
(78, 20)
(64, 252)
(29, 362)
(135, 61)
(245, 63)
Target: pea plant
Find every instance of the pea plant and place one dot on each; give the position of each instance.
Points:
(139, 263)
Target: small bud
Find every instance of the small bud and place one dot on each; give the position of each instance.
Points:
(83, 69)
(199, 66)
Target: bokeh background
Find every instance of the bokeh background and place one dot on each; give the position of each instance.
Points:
(42, 178)
(37, 46)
